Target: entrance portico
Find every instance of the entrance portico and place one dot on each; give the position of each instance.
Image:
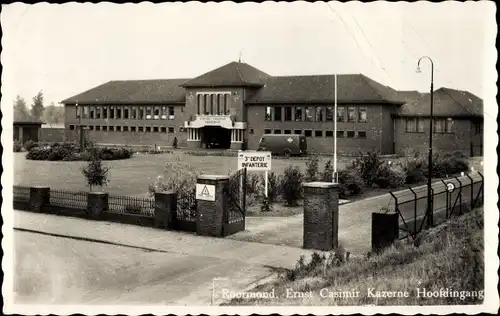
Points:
(215, 131)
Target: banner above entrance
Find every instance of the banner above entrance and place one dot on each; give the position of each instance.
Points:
(214, 120)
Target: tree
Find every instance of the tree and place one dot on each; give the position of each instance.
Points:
(53, 114)
(20, 110)
(37, 106)
(96, 174)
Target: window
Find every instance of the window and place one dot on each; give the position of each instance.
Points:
(329, 134)
(212, 103)
(171, 112)
(308, 133)
(170, 129)
(98, 128)
(125, 128)
(225, 99)
(277, 113)
(141, 129)
(478, 127)
(72, 127)
(132, 129)
(288, 113)
(125, 113)
(351, 116)
(163, 129)
(251, 131)
(85, 111)
(267, 131)
(319, 114)
(298, 114)
(309, 114)
(111, 128)
(269, 114)
(288, 132)
(91, 112)
(277, 131)
(329, 113)
(105, 128)
(414, 125)
(118, 128)
(198, 103)
(361, 134)
(350, 134)
(111, 112)
(155, 129)
(206, 100)
(156, 112)
(449, 125)
(297, 132)
(340, 134)
(362, 114)
(141, 114)
(443, 125)
(105, 112)
(149, 113)
(318, 133)
(98, 112)
(118, 112)
(148, 129)
(341, 114)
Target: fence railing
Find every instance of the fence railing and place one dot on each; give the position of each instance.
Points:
(21, 193)
(69, 199)
(186, 207)
(131, 205)
(450, 197)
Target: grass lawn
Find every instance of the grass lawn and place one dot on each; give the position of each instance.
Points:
(447, 257)
(129, 177)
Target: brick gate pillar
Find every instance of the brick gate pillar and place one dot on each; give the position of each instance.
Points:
(97, 202)
(211, 202)
(39, 197)
(385, 230)
(165, 209)
(321, 215)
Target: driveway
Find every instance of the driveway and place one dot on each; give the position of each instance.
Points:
(62, 260)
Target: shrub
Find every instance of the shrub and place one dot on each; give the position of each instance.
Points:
(350, 183)
(327, 175)
(390, 176)
(30, 144)
(17, 146)
(367, 166)
(265, 205)
(273, 186)
(96, 174)
(291, 185)
(312, 167)
(253, 183)
(413, 168)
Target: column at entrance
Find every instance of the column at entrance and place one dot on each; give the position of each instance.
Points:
(194, 139)
(237, 136)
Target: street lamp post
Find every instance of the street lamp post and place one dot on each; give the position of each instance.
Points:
(430, 212)
(80, 129)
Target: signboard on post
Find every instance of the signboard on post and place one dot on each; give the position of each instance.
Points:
(254, 160)
(205, 192)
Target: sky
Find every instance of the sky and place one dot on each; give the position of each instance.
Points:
(66, 49)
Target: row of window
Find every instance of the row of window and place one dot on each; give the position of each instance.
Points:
(416, 125)
(317, 133)
(126, 112)
(213, 103)
(147, 129)
(315, 113)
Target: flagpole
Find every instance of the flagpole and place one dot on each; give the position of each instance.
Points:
(335, 176)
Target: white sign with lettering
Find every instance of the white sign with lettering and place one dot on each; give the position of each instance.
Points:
(205, 192)
(254, 160)
(212, 120)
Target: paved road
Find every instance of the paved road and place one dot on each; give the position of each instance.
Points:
(176, 269)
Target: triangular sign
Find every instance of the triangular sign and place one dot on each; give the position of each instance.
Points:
(205, 191)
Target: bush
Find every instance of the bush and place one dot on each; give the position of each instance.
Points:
(253, 184)
(17, 146)
(291, 185)
(30, 144)
(96, 174)
(312, 167)
(413, 168)
(367, 166)
(390, 176)
(327, 175)
(350, 183)
(266, 205)
(273, 186)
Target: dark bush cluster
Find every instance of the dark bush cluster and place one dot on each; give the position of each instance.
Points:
(291, 186)
(30, 144)
(70, 152)
(17, 146)
(350, 183)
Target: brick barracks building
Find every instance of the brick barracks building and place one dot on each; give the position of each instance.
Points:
(233, 106)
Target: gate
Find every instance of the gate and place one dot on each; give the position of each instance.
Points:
(235, 210)
(451, 197)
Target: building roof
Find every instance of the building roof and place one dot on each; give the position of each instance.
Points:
(234, 74)
(447, 102)
(28, 122)
(133, 91)
(321, 88)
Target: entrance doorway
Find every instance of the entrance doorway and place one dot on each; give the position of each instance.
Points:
(216, 137)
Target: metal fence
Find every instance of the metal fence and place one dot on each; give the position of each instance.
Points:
(21, 193)
(131, 205)
(68, 199)
(450, 197)
(186, 207)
